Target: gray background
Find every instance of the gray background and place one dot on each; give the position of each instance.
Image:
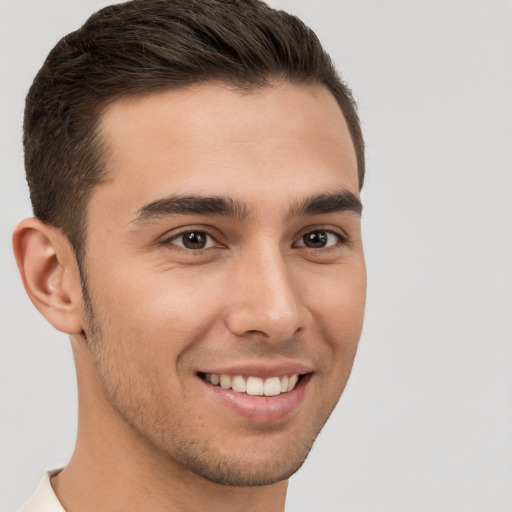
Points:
(426, 420)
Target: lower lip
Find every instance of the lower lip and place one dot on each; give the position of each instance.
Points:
(263, 409)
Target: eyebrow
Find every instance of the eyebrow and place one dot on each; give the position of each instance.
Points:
(327, 203)
(228, 207)
(198, 205)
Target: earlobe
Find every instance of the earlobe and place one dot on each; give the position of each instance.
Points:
(49, 271)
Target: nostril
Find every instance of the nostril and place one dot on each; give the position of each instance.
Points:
(257, 333)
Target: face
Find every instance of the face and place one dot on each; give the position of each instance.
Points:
(226, 275)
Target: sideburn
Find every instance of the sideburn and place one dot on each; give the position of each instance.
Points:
(85, 296)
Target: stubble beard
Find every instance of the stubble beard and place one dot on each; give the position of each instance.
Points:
(173, 442)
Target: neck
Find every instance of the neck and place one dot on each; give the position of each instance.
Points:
(114, 468)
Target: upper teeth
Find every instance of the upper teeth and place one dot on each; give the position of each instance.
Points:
(254, 385)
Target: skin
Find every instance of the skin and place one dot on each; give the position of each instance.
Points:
(150, 436)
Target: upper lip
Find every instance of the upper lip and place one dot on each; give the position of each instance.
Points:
(262, 370)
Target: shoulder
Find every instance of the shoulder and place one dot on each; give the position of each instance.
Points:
(44, 498)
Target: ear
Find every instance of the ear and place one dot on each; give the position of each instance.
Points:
(49, 270)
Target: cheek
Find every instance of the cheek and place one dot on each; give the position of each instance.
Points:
(337, 297)
(337, 306)
(161, 313)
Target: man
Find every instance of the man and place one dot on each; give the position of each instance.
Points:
(194, 169)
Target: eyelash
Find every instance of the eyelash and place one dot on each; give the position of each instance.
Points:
(342, 239)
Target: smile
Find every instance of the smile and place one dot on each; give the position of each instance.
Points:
(258, 392)
(254, 386)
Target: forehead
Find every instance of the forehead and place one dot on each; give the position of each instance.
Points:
(205, 138)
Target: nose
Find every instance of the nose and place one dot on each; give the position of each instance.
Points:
(264, 299)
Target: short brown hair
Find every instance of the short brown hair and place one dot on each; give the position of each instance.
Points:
(145, 46)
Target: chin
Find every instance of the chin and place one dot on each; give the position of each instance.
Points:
(255, 461)
(243, 472)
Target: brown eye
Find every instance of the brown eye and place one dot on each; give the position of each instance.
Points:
(193, 240)
(318, 239)
(315, 240)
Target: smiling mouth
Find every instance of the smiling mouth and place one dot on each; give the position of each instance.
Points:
(254, 386)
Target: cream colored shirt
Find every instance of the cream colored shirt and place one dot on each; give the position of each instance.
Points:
(44, 498)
